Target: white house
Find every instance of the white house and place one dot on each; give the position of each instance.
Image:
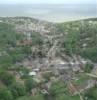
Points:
(32, 73)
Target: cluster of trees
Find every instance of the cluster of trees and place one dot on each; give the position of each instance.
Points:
(80, 37)
(91, 94)
(10, 88)
(10, 53)
(8, 36)
(37, 39)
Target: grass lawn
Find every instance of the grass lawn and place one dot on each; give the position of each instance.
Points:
(67, 97)
(82, 78)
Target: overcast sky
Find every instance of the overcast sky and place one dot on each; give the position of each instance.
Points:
(47, 1)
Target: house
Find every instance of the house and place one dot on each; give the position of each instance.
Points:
(34, 92)
(94, 71)
(33, 73)
(44, 91)
(1, 21)
(36, 69)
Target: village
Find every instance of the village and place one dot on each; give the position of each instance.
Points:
(47, 64)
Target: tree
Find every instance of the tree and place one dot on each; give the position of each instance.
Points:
(6, 77)
(5, 94)
(91, 94)
(18, 89)
(30, 84)
(88, 67)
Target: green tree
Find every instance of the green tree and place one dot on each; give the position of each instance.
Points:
(18, 89)
(91, 94)
(30, 84)
(88, 68)
(5, 94)
(6, 77)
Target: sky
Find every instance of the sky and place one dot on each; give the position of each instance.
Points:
(48, 1)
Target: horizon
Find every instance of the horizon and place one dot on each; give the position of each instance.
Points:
(49, 10)
(48, 2)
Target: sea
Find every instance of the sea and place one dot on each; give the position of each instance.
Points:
(50, 12)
